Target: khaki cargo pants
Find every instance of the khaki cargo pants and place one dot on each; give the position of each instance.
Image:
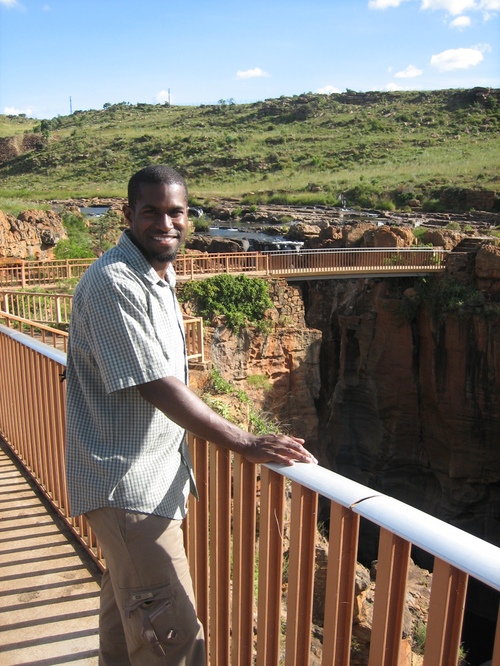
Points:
(148, 613)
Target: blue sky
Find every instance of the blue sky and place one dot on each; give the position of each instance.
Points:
(201, 51)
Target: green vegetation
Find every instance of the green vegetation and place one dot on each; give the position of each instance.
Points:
(419, 636)
(105, 230)
(201, 225)
(88, 238)
(442, 295)
(259, 382)
(375, 150)
(241, 300)
(259, 423)
(78, 245)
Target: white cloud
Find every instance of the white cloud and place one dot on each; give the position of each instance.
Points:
(384, 4)
(163, 96)
(409, 73)
(256, 73)
(11, 110)
(460, 22)
(327, 90)
(8, 3)
(490, 5)
(458, 7)
(457, 59)
(453, 7)
(392, 86)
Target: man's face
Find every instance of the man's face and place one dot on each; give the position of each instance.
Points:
(158, 223)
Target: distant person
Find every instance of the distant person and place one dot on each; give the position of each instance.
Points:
(128, 406)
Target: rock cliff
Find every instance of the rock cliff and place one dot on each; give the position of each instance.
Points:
(398, 392)
(33, 234)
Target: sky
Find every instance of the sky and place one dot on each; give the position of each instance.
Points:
(59, 56)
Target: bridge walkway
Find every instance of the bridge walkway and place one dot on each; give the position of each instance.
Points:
(49, 601)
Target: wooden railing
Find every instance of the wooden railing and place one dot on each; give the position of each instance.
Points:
(360, 261)
(244, 522)
(30, 313)
(21, 274)
(47, 308)
(337, 262)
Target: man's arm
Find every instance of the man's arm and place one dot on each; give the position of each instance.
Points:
(184, 407)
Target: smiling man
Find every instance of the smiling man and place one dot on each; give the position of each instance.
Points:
(128, 407)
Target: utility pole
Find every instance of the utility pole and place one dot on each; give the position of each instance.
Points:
(70, 107)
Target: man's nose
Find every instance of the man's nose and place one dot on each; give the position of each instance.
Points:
(166, 221)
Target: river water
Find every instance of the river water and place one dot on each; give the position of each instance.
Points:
(265, 241)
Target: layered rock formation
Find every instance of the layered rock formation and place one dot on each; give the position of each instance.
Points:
(33, 234)
(409, 399)
(286, 357)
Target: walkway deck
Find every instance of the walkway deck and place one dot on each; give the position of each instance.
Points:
(49, 589)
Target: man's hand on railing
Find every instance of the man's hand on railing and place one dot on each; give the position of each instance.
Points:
(278, 449)
(181, 405)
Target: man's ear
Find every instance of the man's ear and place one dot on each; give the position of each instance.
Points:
(127, 211)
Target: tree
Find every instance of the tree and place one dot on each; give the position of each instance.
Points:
(105, 230)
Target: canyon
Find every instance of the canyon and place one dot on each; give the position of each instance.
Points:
(388, 383)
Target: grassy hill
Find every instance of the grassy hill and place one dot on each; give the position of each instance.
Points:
(374, 149)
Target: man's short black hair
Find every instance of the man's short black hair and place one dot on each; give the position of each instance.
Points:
(153, 175)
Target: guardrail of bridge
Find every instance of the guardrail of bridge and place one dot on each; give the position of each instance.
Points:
(324, 261)
(361, 261)
(21, 273)
(246, 519)
(31, 313)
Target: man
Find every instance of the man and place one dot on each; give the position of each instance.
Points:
(128, 406)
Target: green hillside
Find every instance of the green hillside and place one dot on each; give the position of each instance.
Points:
(374, 149)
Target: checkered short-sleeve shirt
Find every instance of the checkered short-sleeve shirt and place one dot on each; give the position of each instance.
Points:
(126, 329)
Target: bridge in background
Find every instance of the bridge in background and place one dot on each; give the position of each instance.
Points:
(299, 265)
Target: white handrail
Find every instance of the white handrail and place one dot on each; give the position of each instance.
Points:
(32, 343)
(462, 550)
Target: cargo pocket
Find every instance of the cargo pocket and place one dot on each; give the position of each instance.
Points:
(160, 617)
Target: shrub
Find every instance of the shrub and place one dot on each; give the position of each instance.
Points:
(201, 225)
(259, 382)
(78, 245)
(241, 300)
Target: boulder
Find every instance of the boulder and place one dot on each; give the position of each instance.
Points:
(488, 262)
(330, 233)
(301, 232)
(442, 238)
(382, 237)
(488, 272)
(34, 233)
(215, 244)
(353, 234)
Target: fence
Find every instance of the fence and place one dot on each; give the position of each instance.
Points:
(31, 312)
(335, 262)
(21, 274)
(236, 536)
(363, 261)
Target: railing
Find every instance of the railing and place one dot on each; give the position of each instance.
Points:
(21, 274)
(337, 262)
(46, 334)
(246, 519)
(46, 308)
(32, 312)
(364, 261)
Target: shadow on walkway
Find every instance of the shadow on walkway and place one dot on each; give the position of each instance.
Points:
(49, 588)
